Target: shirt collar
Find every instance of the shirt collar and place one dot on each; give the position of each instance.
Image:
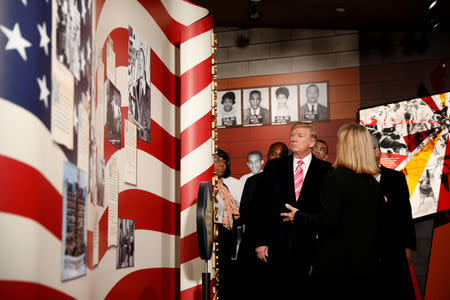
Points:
(306, 161)
(255, 112)
(312, 107)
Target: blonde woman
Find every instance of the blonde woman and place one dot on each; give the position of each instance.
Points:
(350, 221)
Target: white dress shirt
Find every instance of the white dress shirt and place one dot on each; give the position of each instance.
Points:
(255, 111)
(306, 162)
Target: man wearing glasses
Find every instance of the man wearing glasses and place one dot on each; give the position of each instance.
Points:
(320, 150)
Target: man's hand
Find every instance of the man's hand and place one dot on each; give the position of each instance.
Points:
(262, 252)
(409, 255)
(289, 217)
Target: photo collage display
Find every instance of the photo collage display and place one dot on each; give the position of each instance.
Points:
(274, 105)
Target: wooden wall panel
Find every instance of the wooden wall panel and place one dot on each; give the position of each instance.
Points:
(344, 101)
(439, 267)
(348, 76)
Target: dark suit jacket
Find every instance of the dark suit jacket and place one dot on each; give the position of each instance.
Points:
(249, 206)
(322, 113)
(288, 242)
(351, 233)
(399, 233)
(264, 112)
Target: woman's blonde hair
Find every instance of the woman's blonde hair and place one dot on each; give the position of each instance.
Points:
(355, 151)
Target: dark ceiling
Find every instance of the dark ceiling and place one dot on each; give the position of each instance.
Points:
(392, 15)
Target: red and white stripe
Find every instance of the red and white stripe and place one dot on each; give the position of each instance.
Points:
(196, 146)
(31, 197)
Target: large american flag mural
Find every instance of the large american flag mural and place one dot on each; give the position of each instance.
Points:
(414, 138)
(91, 40)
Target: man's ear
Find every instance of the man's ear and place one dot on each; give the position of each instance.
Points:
(262, 162)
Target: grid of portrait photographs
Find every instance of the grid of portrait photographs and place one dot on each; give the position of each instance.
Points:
(274, 105)
(414, 139)
(125, 244)
(74, 225)
(139, 97)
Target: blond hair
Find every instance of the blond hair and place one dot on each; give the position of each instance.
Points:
(312, 128)
(355, 150)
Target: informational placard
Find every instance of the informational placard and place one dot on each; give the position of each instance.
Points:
(112, 193)
(62, 105)
(95, 245)
(130, 152)
(83, 135)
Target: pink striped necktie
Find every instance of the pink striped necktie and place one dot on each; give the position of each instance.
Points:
(298, 178)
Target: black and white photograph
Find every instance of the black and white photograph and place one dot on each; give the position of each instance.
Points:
(74, 225)
(139, 96)
(125, 244)
(229, 108)
(113, 114)
(100, 186)
(256, 106)
(68, 32)
(412, 140)
(284, 104)
(92, 163)
(314, 101)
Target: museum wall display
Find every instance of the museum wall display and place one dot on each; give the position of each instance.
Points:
(98, 139)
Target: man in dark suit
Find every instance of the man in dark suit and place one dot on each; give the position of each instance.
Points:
(313, 110)
(251, 270)
(256, 114)
(400, 235)
(294, 180)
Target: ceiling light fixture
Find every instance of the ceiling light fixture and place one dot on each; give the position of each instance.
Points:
(254, 10)
(340, 10)
(432, 4)
(435, 26)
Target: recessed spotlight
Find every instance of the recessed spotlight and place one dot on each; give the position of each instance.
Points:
(340, 10)
(433, 4)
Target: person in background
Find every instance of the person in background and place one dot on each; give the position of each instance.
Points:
(277, 150)
(283, 113)
(228, 193)
(254, 163)
(400, 235)
(228, 113)
(252, 272)
(295, 179)
(350, 222)
(320, 150)
(256, 114)
(313, 110)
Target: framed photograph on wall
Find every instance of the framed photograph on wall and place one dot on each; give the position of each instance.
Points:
(256, 106)
(139, 94)
(284, 104)
(125, 245)
(229, 105)
(314, 104)
(113, 114)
